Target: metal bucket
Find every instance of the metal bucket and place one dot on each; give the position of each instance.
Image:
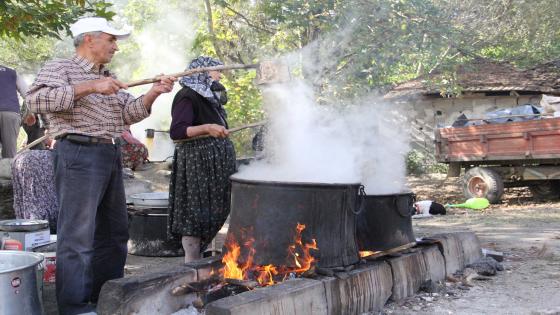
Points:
(270, 211)
(21, 283)
(385, 221)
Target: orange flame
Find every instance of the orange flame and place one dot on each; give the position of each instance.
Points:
(366, 253)
(231, 270)
(303, 260)
(266, 274)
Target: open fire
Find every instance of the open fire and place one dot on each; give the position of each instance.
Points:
(367, 253)
(298, 254)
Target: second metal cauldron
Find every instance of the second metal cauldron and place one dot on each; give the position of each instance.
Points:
(269, 212)
(385, 221)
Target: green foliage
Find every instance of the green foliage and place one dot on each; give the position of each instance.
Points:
(21, 18)
(418, 163)
(343, 47)
(440, 168)
(415, 162)
(26, 55)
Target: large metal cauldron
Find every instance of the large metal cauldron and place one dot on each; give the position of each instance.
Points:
(270, 211)
(21, 283)
(147, 227)
(385, 221)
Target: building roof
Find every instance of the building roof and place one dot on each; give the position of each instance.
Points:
(484, 75)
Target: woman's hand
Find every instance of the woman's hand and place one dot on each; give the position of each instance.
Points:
(217, 131)
(29, 119)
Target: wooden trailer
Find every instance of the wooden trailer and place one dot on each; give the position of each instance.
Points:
(495, 156)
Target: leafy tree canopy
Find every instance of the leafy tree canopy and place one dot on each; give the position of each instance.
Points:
(40, 18)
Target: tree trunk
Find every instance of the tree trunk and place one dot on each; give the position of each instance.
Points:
(210, 24)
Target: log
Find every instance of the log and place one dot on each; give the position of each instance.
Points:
(391, 251)
(147, 294)
(458, 249)
(435, 264)
(291, 297)
(243, 283)
(365, 289)
(409, 273)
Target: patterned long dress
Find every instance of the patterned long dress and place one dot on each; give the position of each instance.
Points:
(133, 155)
(199, 191)
(33, 183)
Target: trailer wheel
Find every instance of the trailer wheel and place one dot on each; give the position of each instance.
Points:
(483, 182)
(548, 190)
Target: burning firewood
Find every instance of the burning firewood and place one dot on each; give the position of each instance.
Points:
(243, 283)
(300, 262)
(200, 286)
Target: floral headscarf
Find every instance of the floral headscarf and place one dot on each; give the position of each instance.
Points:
(202, 83)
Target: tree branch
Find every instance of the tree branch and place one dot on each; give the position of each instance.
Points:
(439, 60)
(210, 24)
(249, 23)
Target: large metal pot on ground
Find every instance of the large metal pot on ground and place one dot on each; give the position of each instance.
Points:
(270, 211)
(147, 226)
(21, 283)
(384, 221)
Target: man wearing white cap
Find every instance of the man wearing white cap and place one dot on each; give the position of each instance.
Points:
(87, 109)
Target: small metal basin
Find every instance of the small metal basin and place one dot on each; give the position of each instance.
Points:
(151, 199)
(23, 225)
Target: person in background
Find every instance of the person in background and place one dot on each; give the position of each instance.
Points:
(86, 109)
(10, 116)
(34, 127)
(134, 152)
(199, 191)
(34, 186)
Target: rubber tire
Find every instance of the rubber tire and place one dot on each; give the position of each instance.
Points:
(548, 190)
(493, 181)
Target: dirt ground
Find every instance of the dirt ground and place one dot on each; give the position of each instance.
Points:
(528, 234)
(526, 231)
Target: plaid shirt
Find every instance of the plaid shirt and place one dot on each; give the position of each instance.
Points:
(95, 114)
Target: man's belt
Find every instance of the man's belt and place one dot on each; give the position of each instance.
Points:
(83, 139)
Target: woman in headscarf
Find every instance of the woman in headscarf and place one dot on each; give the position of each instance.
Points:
(204, 158)
(134, 152)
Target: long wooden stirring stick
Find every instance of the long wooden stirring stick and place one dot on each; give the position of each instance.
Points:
(193, 71)
(231, 130)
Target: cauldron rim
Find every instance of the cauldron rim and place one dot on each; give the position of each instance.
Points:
(233, 178)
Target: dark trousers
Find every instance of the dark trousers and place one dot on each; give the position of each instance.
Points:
(92, 222)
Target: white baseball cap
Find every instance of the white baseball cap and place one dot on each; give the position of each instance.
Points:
(96, 24)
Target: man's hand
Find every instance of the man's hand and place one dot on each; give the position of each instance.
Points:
(217, 131)
(107, 86)
(165, 85)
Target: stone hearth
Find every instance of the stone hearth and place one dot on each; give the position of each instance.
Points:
(365, 288)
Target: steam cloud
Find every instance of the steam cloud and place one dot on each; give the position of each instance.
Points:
(164, 47)
(363, 142)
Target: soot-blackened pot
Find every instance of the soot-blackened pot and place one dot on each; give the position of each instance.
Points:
(269, 212)
(384, 221)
